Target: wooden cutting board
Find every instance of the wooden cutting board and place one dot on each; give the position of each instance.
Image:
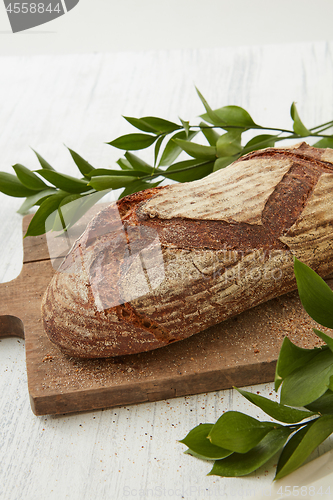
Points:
(238, 352)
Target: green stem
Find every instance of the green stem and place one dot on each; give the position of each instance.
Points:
(163, 172)
(320, 135)
(281, 130)
(326, 125)
(321, 128)
(325, 128)
(253, 127)
(248, 150)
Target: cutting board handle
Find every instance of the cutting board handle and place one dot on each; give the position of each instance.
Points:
(11, 326)
(17, 297)
(10, 309)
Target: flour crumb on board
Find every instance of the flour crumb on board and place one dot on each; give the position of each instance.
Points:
(48, 357)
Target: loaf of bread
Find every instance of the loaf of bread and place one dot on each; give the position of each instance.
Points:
(166, 263)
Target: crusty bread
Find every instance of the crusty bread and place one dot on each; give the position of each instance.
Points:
(163, 264)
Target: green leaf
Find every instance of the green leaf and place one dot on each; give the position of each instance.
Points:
(230, 116)
(140, 124)
(45, 165)
(236, 116)
(196, 455)
(28, 178)
(238, 432)
(138, 164)
(196, 150)
(229, 144)
(77, 206)
(316, 433)
(162, 126)
(298, 126)
(210, 134)
(241, 464)
(292, 445)
(308, 383)
(198, 443)
(157, 148)
(291, 357)
(153, 124)
(210, 116)
(133, 141)
(189, 170)
(49, 206)
(137, 186)
(325, 142)
(172, 150)
(324, 404)
(276, 410)
(119, 173)
(72, 208)
(84, 167)
(11, 186)
(31, 201)
(186, 126)
(110, 181)
(124, 164)
(328, 340)
(224, 161)
(64, 181)
(330, 386)
(260, 141)
(316, 296)
(66, 209)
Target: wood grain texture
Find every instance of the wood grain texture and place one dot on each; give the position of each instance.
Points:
(79, 100)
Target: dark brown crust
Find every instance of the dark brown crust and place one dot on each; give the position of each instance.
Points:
(303, 153)
(281, 211)
(127, 313)
(107, 221)
(212, 235)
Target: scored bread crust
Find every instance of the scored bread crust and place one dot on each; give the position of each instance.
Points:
(163, 264)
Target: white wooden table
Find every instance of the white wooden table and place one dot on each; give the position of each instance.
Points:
(128, 452)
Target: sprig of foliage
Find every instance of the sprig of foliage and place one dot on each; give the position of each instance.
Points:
(221, 128)
(239, 444)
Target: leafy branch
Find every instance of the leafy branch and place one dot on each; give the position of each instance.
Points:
(221, 128)
(239, 444)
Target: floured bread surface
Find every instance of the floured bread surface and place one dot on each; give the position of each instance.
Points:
(225, 196)
(166, 263)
